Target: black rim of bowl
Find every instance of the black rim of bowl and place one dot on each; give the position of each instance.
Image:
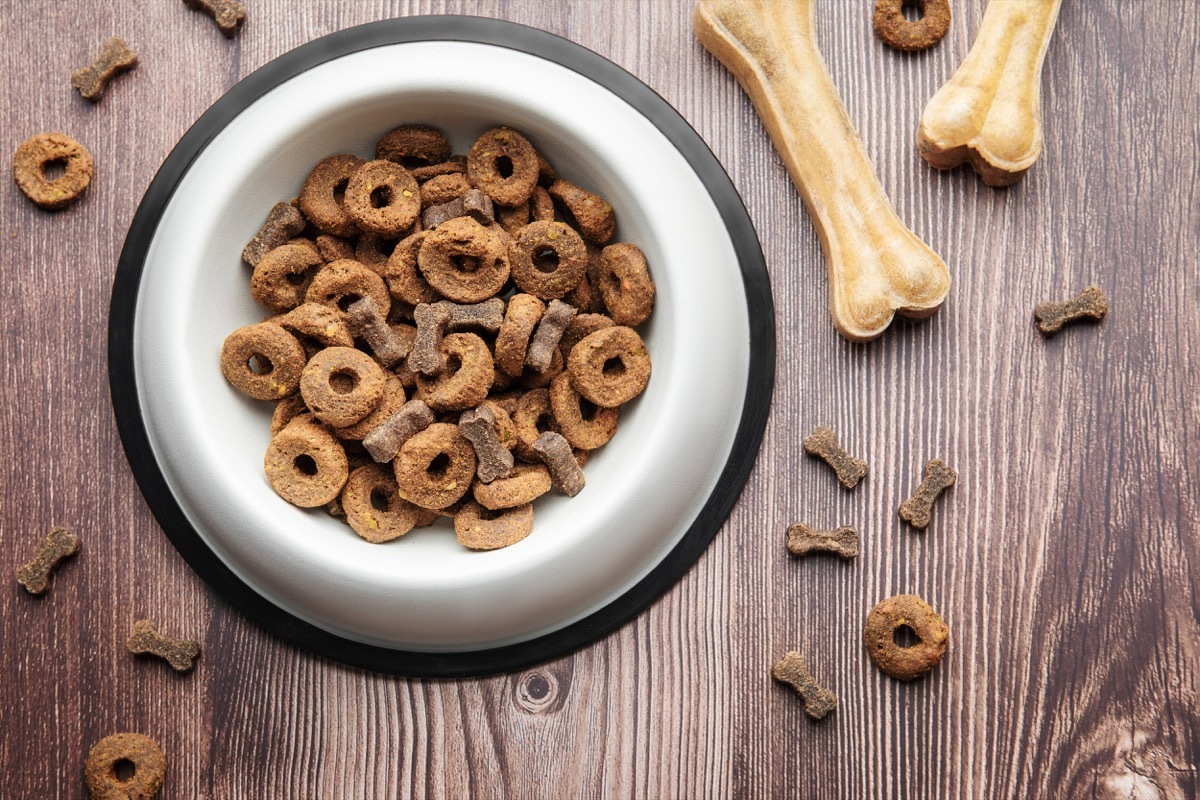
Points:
(665, 574)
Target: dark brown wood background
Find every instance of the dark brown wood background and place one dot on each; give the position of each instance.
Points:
(1066, 561)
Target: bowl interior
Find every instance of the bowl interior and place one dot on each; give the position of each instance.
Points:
(424, 591)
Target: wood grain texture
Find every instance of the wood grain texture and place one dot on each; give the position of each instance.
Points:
(1066, 560)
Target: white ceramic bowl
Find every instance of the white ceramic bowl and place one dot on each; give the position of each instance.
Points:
(423, 600)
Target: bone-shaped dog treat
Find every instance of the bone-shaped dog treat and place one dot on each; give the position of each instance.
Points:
(548, 334)
(228, 14)
(877, 267)
(385, 440)
(793, 671)
(935, 478)
(366, 320)
(426, 354)
(115, 58)
(823, 443)
(493, 460)
(284, 221)
(485, 316)
(181, 654)
(802, 540)
(555, 453)
(59, 545)
(990, 111)
(1089, 304)
(472, 203)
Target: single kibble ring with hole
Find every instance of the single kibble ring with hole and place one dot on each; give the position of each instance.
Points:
(130, 750)
(340, 283)
(435, 467)
(463, 260)
(374, 507)
(263, 360)
(503, 165)
(305, 463)
(282, 276)
(341, 385)
(36, 153)
(585, 428)
(549, 259)
(610, 367)
(382, 198)
(466, 379)
(893, 614)
(894, 30)
(323, 194)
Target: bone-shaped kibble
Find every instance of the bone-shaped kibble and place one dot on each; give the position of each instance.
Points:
(1089, 304)
(877, 267)
(35, 576)
(471, 203)
(228, 14)
(385, 439)
(478, 426)
(935, 478)
(549, 332)
(364, 317)
(486, 316)
(793, 671)
(555, 453)
(181, 654)
(824, 444)
(115, 58)
(802, 540)
(426, 354)
(284, 221)
(990, 111)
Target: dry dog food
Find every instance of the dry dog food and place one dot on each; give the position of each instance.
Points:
(149, 768)
(145, 639)
(228, 14)
(802, 540)
(60, 545)
(935, 478)
(1089, 304)
(887, 619)
(823, 444)
(896, 31)
(115, 58)
(36, 154)
(793, 671)
(520, 352)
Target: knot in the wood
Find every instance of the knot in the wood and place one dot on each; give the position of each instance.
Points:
(538, 692)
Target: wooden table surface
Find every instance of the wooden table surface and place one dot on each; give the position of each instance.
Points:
(1066, 561)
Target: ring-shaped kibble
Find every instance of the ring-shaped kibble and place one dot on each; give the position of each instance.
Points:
(592, 214)
(340, 283)
(532, 379)
(896, 31)
(374, 507)
(287, 410)
(305, 463)
(610, 367)
(466, 379)
(383, 198)
(548, 259)
(318, 322)
(142, 752)
(393, 399)
(374, 251)
(36, 153)
(323, 194)
(464, 261)
(585, 425)
(263, 361)
(457, 164)
(341, 385)
(905, 611)
(580, 327)
(443, 188)
(435, 467)
(478, 528)
(625, 284)
(512, 340)
(526, 483)
(413, 146)
(532, 418)
(282, 276)
(404, 280)
(503, 165)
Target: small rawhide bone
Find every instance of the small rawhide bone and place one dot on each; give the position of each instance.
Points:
(549, 332)
(823, 443)
(493, 460)
(485, 316)
(35, 576)
(228, 14)
(115, 58)
(385, 343)
(564, 469)
(877, 267)
(181, 654)
(426, 354)
(1089, 304)
(471, 203)
(284, 221)
(935, 478)
(385, 440)
(802, 540)
(793, 671)
(990, 111)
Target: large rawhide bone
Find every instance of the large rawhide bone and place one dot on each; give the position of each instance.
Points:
(990, 111)
(877, 266)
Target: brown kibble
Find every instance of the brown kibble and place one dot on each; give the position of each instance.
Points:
(181, 654)
(464, 387)
(526, 483)
(316, 321)
(895, 30)
(823, 443)
(556, 454)
(263, 360)
(935, 478)
(623, 280)
(802, 540)
(498, 151)
(334, 248)
(593, 215)
(373, 506)
(341, 385)
(793, 671)
(911, 612)
(284, 222)
(228, 14)
(478, 426)
(592, 369)
(29, 170)
(322, 197)
(385, 441)
(60, 545)
(305, 463)
(471, 203)
(481, 529)
(441, 189)
(435, 467)
(363, 315)
(114, 58)
(382, 198)
(512, 340)
(414, 146)
(283, 276)
(544, 343)
(1089, 304)
(149, 768)
(486, 316)
(426, 357)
